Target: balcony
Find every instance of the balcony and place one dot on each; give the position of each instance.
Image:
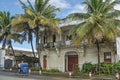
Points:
(59, 44)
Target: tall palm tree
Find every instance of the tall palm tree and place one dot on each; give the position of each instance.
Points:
(99, 22)
(39, 16)
(26, 32)
(6, 36)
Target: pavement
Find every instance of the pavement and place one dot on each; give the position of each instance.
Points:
(12, 75)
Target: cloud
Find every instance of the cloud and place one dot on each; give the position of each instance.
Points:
(117, 7)
(78, 8)
(60, 4)
(24, 1)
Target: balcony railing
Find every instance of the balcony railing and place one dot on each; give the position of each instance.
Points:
(58, 44)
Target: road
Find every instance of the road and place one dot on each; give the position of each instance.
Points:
(2, 77)
(15, 76)
(7, 75)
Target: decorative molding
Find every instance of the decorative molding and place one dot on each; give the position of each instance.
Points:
(57, 51)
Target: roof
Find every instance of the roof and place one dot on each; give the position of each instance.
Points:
(67, 22)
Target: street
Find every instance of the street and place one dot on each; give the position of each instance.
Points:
(15, 76)
(2, 77)
(7, 75)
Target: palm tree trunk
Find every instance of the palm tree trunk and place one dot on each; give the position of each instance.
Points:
(13, 53)
(98, 48)
(38, 47)
(4, 43)
(38, 50)
(32, 49)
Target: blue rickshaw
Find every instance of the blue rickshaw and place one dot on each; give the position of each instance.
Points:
(24, 68)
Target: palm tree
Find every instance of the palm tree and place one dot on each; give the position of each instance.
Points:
(6, 36)
(99, 22)
(39, 16)
(26, 33)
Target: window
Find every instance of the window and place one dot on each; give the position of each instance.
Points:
(54, 38)
(68, 37)
(45, 39)
(107, 57)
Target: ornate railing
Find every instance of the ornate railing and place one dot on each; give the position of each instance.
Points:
(58, 44)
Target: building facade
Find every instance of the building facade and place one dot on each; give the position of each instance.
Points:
(60, 53)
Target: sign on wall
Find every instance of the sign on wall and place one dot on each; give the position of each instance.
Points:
(2, 58)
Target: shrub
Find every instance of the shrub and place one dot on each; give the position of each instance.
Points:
(87, 67)
(76, 68)
(79, 73)
(106, 68)
(54, 70)
(34, 68)
(116, 66)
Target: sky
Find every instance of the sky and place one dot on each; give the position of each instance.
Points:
(66, 7)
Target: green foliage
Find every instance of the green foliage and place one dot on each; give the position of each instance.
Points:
(79, 73)
(106, 68)
(34, 68)
(53, 70)
(44, 70)
(15, 67)
(116, 66)
(76, 68)
(28, 59)
(87, 67)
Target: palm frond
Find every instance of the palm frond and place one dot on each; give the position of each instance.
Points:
(80, 16)
(23, 4)
(30, 5)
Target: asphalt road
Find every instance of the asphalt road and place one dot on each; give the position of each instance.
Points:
(7, 75)
(2, 77)
(16, 76)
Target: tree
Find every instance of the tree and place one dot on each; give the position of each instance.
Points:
(100, 22)
(39, 16)
(26, 32)
(6, 36)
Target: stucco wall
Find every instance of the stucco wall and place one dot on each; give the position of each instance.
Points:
(56, 60)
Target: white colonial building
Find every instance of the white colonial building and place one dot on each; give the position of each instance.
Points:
(60, 53)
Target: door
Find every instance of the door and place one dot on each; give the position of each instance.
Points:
(44, 61)
(8, 63)
(72, 61)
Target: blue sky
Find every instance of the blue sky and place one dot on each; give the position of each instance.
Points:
(66, 6)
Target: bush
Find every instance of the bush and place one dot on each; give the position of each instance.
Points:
(34, 68)
(79, 73)
(87, 67)
(51, 71)
(15, 68)
(76, 68)
(106, 68)
(54, 70)
(116, 67)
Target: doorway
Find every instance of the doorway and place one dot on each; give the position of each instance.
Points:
(44, 61)
(71, 60)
